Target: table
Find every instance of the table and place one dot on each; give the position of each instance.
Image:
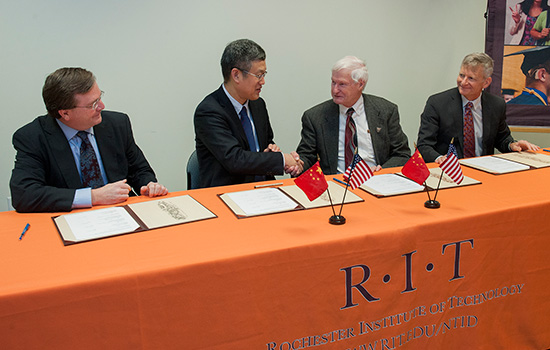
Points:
(474, 274)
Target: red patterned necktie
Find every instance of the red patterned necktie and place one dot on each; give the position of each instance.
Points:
(469, 138)
(89, 167)
(351, 138)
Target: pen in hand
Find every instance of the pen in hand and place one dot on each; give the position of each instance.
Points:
(24, 231)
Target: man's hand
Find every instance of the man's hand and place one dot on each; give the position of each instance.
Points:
(293, 164)
(153, 189)
(116, 192)
(272, 148)
(523, 145)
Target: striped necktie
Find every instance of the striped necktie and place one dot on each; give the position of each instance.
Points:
(469, 132)
(351, 138)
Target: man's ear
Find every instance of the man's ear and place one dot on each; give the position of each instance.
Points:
(64, 114)
(236, 75)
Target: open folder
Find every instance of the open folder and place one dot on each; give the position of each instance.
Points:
(107, 222)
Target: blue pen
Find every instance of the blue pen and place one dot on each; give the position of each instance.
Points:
(546, 150)
(340, 181)
(24, 230)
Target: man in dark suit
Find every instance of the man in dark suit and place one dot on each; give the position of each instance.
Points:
(234, 139)
(474, 118)
(78, 155)
(377, 136)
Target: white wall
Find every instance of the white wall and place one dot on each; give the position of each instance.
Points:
(156, 60)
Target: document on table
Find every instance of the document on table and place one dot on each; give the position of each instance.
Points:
(390, 185)
(494, 165)
(170, 211)
(100, 223)
(536, 160)
(336, 193)
(95, 224)
(259, 202)
(446, 182)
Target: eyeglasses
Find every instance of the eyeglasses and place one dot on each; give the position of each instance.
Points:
(94, 104)
(259, 76)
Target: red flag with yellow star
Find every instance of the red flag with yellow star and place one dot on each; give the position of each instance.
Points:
(416, 169)
(312, 182)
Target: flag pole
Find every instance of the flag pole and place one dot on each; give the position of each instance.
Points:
(330, 199)
(438, 184)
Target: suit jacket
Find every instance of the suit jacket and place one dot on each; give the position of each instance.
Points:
(320, 131)
(45, 176)
(443, 119)
(222, 148)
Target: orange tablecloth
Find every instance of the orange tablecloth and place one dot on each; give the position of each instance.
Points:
(292, 280)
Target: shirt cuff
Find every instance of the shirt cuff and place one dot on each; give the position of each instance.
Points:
(82, 198)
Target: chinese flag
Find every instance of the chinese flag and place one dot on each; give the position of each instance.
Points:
(312, 182)
(416, 169)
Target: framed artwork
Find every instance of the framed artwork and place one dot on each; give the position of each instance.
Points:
(518, 40)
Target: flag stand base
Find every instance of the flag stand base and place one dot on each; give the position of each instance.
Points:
(432, 204)
(337, 220)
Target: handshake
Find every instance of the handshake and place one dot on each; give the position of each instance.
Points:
(293, 164)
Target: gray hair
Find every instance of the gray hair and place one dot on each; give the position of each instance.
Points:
(240, 54)
(359, 71)
(477, 59)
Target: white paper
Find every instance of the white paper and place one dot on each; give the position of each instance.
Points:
(494, 164)
(100, 223)
(390, 184)
(262, 201)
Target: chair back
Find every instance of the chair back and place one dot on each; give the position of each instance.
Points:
(193, 176)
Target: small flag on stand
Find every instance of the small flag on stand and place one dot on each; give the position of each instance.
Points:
(416, 169)
(312, 182)
(451, 166)
(359, 170)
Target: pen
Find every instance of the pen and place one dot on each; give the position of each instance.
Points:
(546, 150)
(340, 181)
(269, 185)
(24, 230)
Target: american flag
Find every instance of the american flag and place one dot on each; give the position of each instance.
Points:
(451, 166)
(361, 172)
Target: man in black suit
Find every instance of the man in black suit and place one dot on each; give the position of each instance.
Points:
(446, 117)
(380, 141)
(234, 139)
(78, 155)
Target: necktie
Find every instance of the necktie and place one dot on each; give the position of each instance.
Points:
(247, 126)
(89, 167)
(350, 146)
(469, 138)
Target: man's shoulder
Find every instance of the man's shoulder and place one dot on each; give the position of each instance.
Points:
(487, 97)
(378, 102)
(321, 108)
(37, 125)
(444, 95)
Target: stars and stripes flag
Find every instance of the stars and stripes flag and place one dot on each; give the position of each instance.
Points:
(451, 166)
(361, 172)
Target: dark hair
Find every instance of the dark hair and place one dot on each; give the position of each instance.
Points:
(61, 86)
(240, 54)
(526, 6)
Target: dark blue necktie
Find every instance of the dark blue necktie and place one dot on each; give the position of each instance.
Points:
(247, 126)
(89, 167)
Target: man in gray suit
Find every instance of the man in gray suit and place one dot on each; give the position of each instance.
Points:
(376, 133)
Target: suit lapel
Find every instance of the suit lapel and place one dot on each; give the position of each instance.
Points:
(487, 120)
(375, 125)
(331, 134)
(458, 121)
(233, 117)
(62, 153)
(104, 139)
